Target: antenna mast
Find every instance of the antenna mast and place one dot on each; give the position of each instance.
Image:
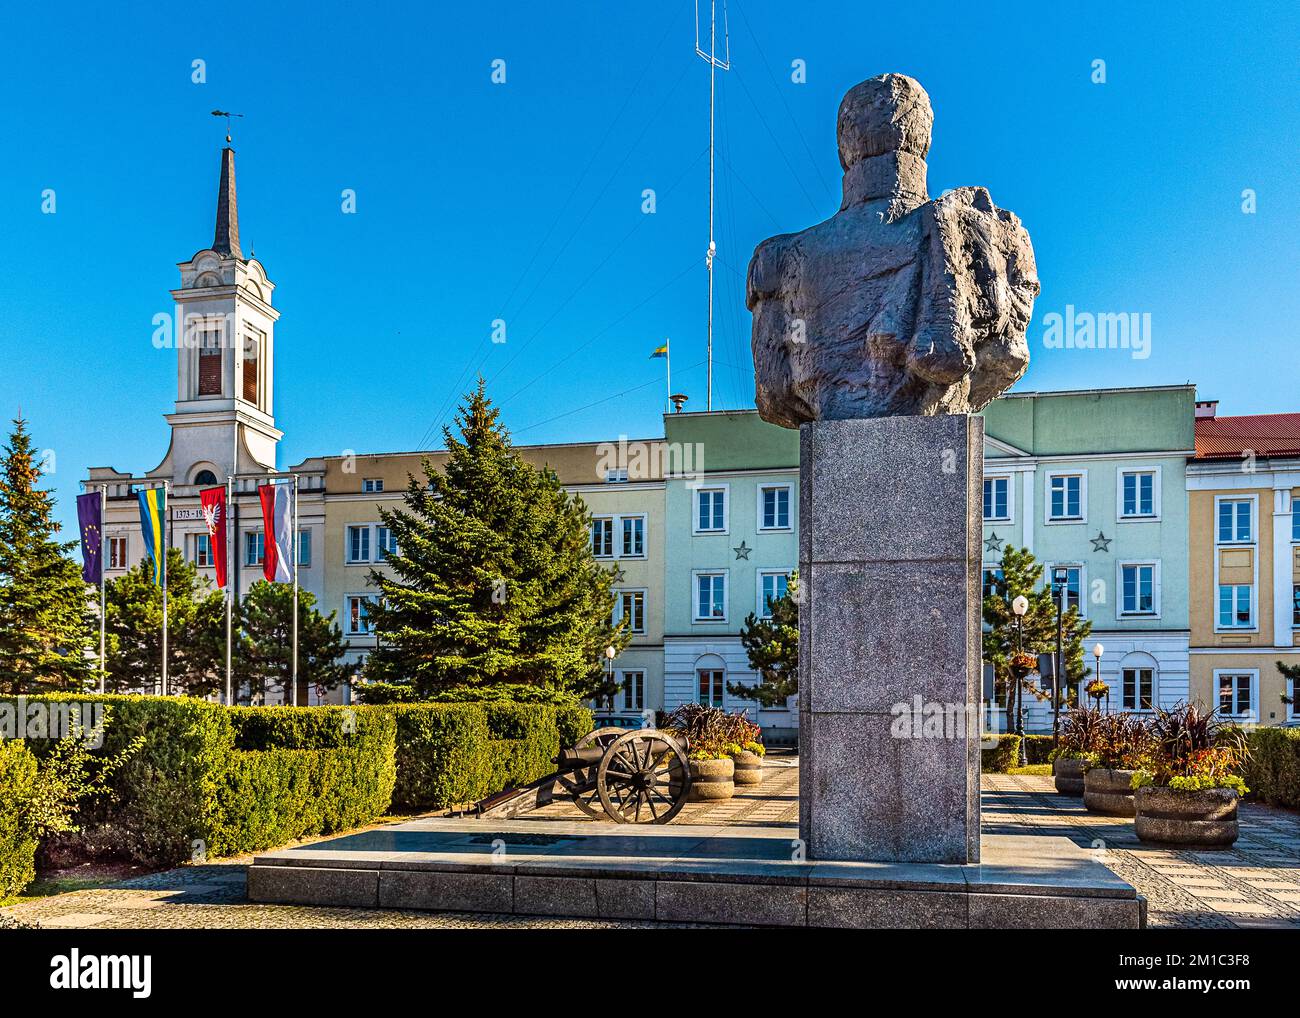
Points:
(714, 66)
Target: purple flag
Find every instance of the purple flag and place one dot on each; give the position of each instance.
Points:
(91, 524)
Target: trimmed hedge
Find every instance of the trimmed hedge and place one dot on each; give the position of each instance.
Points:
(17, 842)
(449, 753)
(1273, 771)
(1038, 748)
(1001, 757)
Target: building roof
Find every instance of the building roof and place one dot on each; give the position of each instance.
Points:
(1262, 434)
(225, 240)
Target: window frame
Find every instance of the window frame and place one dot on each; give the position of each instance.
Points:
(1058, 521)
(721, 687)
(620, 545)
(348, 558)
(347, 613)
(696, 492)
(696, 618)
(1120, 613)
(1251, 626)
(125, 545)
(1156, 510)
(1082, 569)
(202, 540)
(1154, 700)
(256, 538)
(1253, 521)
(759, 576)
(619, 608)
(760, 491)
(626, 687)
(1010, 516)
(1251, 675)
(372, 485)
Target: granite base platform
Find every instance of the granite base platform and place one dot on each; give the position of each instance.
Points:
(737, 875)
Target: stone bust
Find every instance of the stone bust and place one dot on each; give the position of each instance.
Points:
(896, 305)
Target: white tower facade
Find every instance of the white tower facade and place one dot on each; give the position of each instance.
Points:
(224, 421)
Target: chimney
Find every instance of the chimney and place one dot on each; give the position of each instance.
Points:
(1206, 408)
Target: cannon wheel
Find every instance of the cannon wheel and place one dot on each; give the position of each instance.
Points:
(584, 794)
(643, 778)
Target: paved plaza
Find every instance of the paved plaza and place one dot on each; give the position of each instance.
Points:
(1255, 884)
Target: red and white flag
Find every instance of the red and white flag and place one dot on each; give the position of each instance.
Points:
(277, 500)
(213, 501)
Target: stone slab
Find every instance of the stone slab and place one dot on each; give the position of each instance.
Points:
(725, 875)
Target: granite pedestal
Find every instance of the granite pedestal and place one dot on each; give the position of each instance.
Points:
(889, 634)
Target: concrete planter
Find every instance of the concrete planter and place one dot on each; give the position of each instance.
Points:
(749, 768)
(1207, 818)
(712, 780)
(1108, 791)
(1068, 775)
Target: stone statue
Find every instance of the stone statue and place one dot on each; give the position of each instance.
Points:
(896, 305)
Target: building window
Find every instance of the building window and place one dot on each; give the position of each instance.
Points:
(1138, 495)
(372, 485)
(252, 351)
(358, 544)
(1295, 522)
(1073, 586)
(774, 507)
(1138, 589)
(254, 549)
(1138, 684)
(631, 606)
(385, 544)
(992, 577)
(1236, 606)
(997, 499)
(117, 553)
(633, 690)
(202, 550)
(205, 477)
(1295, 605)
(711, 685)
(616, 475)
(304, 547)
(711, 510)
(1236, 694)
(210, 361)
(710, 597)
(602, 537)
(1065, 497)
(356, 613)
(772, 587)
(633, 536)
(1235, 521)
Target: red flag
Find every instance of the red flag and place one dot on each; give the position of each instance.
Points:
(276, 519)
(213, 501)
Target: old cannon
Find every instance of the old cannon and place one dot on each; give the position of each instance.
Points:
(631, 777)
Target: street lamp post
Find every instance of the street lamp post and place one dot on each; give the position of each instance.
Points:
(1019, 606)
(1061, 579)
(1097, 651)
(610, 652)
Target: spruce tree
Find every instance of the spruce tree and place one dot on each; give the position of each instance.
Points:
(45, 606)
(264, 655)
(772, 645)
(494, 579)
(196, 634)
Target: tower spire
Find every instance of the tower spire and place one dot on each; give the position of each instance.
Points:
(226, 239)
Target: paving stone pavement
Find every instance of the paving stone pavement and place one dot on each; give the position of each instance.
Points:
(1255, 884)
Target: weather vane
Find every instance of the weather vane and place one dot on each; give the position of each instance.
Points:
(227, 115)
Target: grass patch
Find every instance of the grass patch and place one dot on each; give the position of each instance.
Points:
(1038, 770)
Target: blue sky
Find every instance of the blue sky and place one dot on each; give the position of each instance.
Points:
(522, 201)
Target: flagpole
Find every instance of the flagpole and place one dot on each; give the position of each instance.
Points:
(166, 542)
(293, 545)
(230, 590)
(668, 360)
(103, 515)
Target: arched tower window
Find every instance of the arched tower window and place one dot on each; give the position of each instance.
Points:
(205, 477)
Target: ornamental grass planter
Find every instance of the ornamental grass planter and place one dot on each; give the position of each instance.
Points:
(1170, 816)
(1109, 792)
(712, 780)
(1068, 775)
(749, 768)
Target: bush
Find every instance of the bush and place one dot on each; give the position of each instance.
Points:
(383, 693)
(1273, 769)
(1002, 757)
(1038, 749)
(17, 839)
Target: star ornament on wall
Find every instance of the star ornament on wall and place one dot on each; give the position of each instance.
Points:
(993, 543)
(743, 551)
(1101, 542)
(619, 574)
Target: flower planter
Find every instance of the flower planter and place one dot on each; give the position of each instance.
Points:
(712, 780)
(1167, 816)
(749, 768)
(1068, 775)
(1108, 791)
